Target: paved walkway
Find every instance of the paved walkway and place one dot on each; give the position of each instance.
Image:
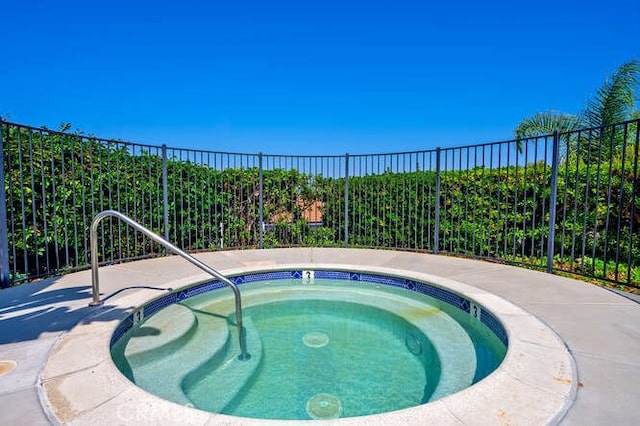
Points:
(600, 328)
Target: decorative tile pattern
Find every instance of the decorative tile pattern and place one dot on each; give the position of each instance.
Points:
(122, 328)
(441, 294)
(410, 285)
(160, 303)
(494, 325)
(382, 279)
(204, 288)
(332, 275)
(266, 276)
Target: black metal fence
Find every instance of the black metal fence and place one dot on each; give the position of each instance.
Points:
(565, 202)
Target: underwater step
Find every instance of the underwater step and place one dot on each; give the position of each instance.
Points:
(454, 349)
(161, 334)
(163, 372)
(212, 388)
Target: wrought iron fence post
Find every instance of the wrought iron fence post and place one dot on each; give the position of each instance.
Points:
(346, 200)
(553, 200)
(436, 233)
(4, 232)
(165, 192)
(261, 201)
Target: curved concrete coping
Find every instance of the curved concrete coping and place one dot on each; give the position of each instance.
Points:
(535, 384)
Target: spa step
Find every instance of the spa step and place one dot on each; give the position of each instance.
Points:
(453, 346)
(161, 334)
(164, 375)
(212, 389)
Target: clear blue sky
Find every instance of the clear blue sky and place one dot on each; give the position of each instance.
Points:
(306, 77)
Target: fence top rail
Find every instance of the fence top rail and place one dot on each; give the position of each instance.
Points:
(302, 156)
(328, 156)
(77, 135)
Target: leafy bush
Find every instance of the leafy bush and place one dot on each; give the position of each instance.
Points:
(57, 182)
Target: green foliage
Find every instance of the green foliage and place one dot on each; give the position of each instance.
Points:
(614, 102)
(545, 123)
(57, 182)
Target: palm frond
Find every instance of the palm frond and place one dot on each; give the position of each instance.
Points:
(545, 123)
(615, 101)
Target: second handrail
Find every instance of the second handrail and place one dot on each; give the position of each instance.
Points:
(95, 279)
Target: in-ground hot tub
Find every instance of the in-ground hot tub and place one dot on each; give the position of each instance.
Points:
(323, 344)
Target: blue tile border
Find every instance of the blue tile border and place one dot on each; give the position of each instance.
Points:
(439, 293)
(449, 297)
(331, 275)
(155, 305)
(494, 325)
(266, 276)
(122, 328)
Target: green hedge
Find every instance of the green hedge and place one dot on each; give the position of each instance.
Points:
(57, 182)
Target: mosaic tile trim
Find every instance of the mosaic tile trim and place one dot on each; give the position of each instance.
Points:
(381, 279)
(446, 296)
(266, 276)
(494, 325)
(332, 275)
(204, 288)
(440, 294)
(155, 305)
(122, 328)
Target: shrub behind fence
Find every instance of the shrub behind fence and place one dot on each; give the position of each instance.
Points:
(565, 202)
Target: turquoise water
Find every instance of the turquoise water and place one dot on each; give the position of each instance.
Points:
(321, 351)
(356, 353)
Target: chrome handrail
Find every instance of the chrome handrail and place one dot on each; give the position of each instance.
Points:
(94, 268)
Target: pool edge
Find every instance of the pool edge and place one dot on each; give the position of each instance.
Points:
(103, 404)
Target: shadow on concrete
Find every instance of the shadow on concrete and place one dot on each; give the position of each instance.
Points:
(30, 310)
(134, 287)
(33, 297)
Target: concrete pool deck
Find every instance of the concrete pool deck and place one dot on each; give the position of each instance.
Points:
(50, 333)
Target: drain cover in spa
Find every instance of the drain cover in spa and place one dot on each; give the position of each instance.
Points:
(324, 406)
(315, 339)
